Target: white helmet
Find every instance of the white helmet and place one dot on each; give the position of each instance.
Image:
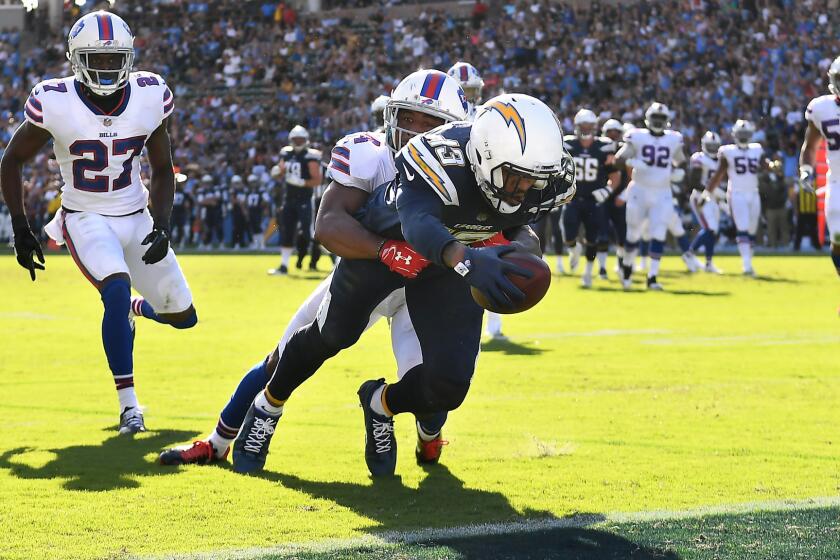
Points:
(377, 109)
(586, 117)
(834, 77)
(427, 91)
(710, 143)
(469, 80)
(101, 33)
(610, 125)
(657, 117)
(299, 132)
(742, 132)
(518, 135)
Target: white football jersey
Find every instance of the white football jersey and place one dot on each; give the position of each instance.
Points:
(654, 156)
(98, 153)
(706, 163)
(362, 160)
(824, 112)
(742, 166)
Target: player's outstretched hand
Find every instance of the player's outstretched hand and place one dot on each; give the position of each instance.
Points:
(27, 246)
(158, 242)
(602, 194)
(488, 274)
(400, 257)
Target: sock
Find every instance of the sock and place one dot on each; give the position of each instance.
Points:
(654, 267)
(629, 260)
(233, 414)
(424, 435)
(429, 426)
(684, 243)
(117, 338)
(143, 308)
(494, 323)
(286, 253)
(644, 247)
(559, 265)
(376, 402)
(128, 398)
(588, 269)
(710, 245)
(602, 260)
(575, 253)
(263, 402)
(746, 251)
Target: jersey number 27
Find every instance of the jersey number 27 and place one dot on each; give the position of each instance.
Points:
(94, 157)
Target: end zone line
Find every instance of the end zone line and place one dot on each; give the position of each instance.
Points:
(387, 538)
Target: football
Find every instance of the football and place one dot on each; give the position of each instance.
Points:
(534, 288)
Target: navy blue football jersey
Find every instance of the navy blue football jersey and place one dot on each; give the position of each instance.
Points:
(593, 164)
(436, 193)
(297, 169)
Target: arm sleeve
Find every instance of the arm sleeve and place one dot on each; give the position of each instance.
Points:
(420, 212)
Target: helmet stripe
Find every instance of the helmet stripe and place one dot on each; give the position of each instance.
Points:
(106, 28)
(432, 86)
(464, 75)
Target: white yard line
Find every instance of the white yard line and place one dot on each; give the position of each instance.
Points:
(486, 529)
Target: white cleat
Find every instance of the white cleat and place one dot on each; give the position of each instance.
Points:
(586, 280)
(559, 269)
(627, 284)
(751, 273)
(712, 269)
(691, 262)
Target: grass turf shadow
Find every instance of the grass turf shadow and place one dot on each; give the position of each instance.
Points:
(510, 347)
(442, 500)
(110, 465)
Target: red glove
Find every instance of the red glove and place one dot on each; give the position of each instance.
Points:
(400, 257)
(497, 239)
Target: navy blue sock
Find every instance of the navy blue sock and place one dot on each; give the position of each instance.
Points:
(684, 244)
(657, 247)
(432, 423)
(143, 308)
(240, 401)
(116, 331)
(644, 248)
(711, 238)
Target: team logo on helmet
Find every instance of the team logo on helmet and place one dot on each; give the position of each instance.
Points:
(77, 28)
(463, 97)
(512, 117)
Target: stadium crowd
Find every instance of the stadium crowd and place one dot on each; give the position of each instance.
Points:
(245, 72)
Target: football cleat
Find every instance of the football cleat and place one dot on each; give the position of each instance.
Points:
(282, 269)
(574, 259)
(428, 452)
(691, 262)
(380, 443)
(626, 284)
(712, 269)
(201, 452)
(586, 280)
(299, 263)
(602, 274)
(653, 284)
(751, 273)
(131, 421)
(250, 448)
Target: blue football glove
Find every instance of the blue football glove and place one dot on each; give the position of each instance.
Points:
(485, 270)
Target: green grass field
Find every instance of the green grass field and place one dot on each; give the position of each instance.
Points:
(604, 406)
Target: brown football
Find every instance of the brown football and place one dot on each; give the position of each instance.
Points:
(535, 287)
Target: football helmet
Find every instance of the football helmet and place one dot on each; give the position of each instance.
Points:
(834, 77)
(610, 125)
(469, 79)
(298, 132)
(742, 132)
(100, 49)
(426, 91)
(516, 153)
(710, 143)
(657, 117)
(377, 109)
(586, 124)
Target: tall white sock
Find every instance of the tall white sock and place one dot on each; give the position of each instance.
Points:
(654, 267)
(494, 323)
(588, 270)
(220, 443)
(128, 398)
(746, 254)
(602, 259)
(287, 255)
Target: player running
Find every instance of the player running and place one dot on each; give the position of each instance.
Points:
(741, 162)
(705, 207)
(359, 163)
(655, 153)
(462, 183)
(100, 119)
(596, 179)
(823, 116)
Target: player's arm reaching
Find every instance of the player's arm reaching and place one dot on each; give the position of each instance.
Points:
(808, 156)
(161, 193)
(26, 142)
(719, 175)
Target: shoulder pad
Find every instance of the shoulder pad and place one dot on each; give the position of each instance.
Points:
(607, 145)
(418, 166)
(285, 150)
(313, 154)
(355, 160)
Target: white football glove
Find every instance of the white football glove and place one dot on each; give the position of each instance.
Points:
(806, 178)
(677, 174)
(602, 194)
(295, 181)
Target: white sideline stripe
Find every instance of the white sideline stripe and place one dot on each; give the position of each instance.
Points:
(485, 529)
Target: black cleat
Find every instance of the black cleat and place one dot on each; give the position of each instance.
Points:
(250, 448)
(602, 274)
(653, 284)
(131, 421)
(380, 443)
